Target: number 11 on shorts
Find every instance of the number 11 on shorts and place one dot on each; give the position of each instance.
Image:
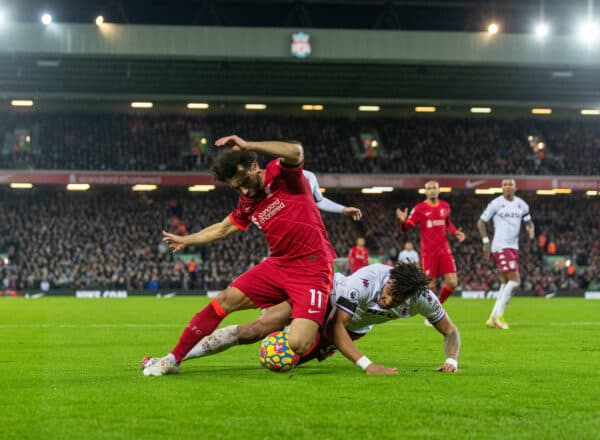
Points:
(316, 298)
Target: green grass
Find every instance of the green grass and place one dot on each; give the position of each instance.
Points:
(69, 369)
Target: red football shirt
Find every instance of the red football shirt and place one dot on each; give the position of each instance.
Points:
(287, 214)
(434, 223)
(357, 258)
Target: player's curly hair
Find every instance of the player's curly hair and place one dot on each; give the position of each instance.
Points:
(407, 281)
(226, 164)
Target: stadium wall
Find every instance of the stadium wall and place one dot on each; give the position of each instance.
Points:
(364, 46)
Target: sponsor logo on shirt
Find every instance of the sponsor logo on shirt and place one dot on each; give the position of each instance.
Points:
(509, 214)
(268, 213)
(365, 282)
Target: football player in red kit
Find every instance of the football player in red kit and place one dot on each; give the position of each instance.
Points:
(278, 200)
(433, 218)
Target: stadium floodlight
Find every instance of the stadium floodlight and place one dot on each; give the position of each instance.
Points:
(78, 186)
(588, 32)
(493, 28)
(383, 188)
(541, 111)
(425, 109)
(443, 189)
(590, 112)
(312, 107)
(255, 106)
(541, 30)
(99, 20)
(563, 190)
(21, 103)
(371, 191)
(591, 192)
(368, 108)
(323, 190)
(140, 104)
(46, 18)
(197, 105)
(481, 110)
(144, 187)
(201, 188)
(545, 192)
(21, 185)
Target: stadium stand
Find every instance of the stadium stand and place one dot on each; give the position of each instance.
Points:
(111, 238)
(337, 145)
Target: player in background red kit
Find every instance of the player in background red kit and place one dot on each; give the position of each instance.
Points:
(358, 256)
(278, 200)
(433, 217)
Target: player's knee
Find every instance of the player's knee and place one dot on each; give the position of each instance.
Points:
(232, 299)
(301, 343)
(251, 332)
(452, 284)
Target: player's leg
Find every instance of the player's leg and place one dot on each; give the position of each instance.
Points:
(303, 335)
(513, 280)
(507, 261)
(202, 323)
(221, 339)
(308, 287)
(448, 269)
(496, 303)
(491, 322)
(255, 288)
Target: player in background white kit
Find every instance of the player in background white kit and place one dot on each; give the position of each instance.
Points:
(507, 211)
(372, 295)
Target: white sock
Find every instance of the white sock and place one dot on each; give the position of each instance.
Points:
(506, 296)
(219, 340)
(495, 309)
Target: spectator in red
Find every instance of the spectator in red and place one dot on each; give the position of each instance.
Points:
(358, 256)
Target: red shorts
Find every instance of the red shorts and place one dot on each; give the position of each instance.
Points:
(436, 265)
(307, 283)
(507, 260)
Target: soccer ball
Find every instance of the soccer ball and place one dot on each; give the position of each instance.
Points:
(276, 354)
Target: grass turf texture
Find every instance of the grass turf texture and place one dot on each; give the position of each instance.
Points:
(69, 369)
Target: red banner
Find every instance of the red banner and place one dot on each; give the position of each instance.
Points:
(397, 181)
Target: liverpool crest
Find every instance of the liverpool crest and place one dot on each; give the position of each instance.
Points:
(300, 47)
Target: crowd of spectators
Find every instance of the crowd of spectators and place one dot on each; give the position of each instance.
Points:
(404, 145)
(111, 238)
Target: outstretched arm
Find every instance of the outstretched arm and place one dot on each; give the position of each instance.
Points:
(328, 205)
(337, 331)
(290, 153)
(405, 222)
(451, 343)
(209, 234)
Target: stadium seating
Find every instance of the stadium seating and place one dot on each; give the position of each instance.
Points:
(111, 238)
(409, 146)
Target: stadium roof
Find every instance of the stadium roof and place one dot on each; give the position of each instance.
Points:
(447, 15)
(81, 76)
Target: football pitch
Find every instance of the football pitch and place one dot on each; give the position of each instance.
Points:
(70, 369)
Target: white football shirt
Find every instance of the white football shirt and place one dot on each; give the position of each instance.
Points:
(507, 216)
(359, 294)
(411, 257)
